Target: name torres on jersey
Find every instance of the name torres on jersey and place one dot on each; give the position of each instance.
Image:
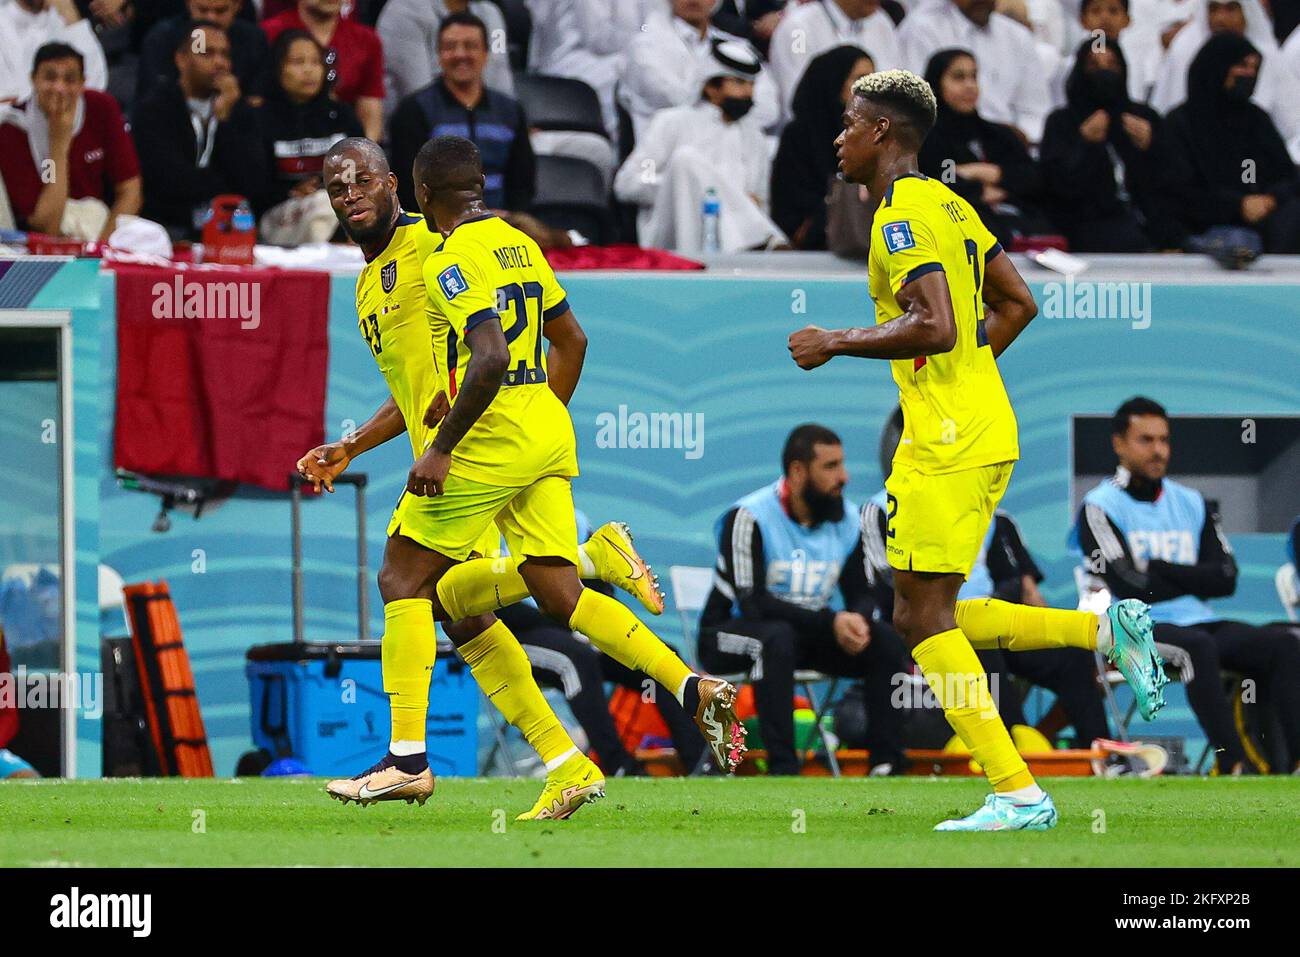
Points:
(956, 413)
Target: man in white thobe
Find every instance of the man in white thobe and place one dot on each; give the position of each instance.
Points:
(1014, 89)
(712, 144)
(806, 32)
(26, 26)
(663, 61)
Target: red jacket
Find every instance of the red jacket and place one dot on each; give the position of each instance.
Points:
(102, 155)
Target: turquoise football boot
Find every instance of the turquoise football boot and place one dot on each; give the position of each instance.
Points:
(1133, 652)
(1001, 814)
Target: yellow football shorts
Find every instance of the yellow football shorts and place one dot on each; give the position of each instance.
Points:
(937, 523)
(537, 520)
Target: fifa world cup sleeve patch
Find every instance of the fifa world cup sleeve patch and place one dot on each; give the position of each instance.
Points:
(452, 282)
(898, 236)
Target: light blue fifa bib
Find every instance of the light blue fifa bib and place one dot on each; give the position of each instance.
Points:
(1168, 529)
(803, 564)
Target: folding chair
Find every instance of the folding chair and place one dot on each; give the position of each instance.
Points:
(691, 585)
(1096, 598)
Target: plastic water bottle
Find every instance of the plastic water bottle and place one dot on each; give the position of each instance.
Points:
(709, 222)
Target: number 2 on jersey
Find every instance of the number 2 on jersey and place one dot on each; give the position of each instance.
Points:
(973, 256)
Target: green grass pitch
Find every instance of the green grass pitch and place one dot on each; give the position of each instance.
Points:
(747, 822)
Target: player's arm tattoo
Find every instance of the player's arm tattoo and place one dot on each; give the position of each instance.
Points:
(564, 357)
(489, 359)
(926, 327)
(1010, 304)
(387, 423)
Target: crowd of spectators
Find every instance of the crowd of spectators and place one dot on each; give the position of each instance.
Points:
(1119, 125)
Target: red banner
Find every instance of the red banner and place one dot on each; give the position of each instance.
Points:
(220, 371)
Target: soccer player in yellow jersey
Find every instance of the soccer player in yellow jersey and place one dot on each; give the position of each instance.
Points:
(948, 302)
(505, 452)
(392, 313)
(426, 364)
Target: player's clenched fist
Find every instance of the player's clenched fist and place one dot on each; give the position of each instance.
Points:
(808, 347)
(323, 464)
(428, 473)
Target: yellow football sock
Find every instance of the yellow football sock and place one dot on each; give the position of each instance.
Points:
(958, 680)
(616, 631)
(993, 623)
(502, 670)
(481, 585)
(407, 655)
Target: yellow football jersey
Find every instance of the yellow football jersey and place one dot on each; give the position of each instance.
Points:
(487, 270)
(956, 413)
(392, 313)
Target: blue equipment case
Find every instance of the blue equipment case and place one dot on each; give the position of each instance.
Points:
(324, 703)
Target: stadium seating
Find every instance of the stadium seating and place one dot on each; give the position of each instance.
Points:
(519, 28)
(559, 103)
(571, 195)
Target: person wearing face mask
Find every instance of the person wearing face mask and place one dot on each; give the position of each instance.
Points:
(659, 70)
(1098, 158)
(1208, 142)
(713, 144)
(983, 162)
(805, 164)
(1277, 89)
(1144, 28)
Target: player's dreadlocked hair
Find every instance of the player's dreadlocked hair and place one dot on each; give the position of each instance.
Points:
(907, 96)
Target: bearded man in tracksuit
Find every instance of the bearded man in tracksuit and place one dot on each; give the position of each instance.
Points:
(783, 552)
